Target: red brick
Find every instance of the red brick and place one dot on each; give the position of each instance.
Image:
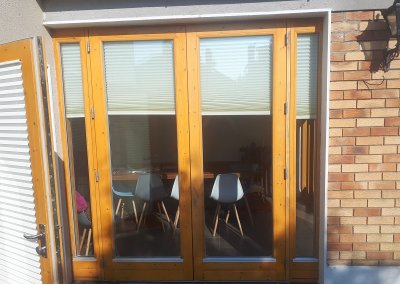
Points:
(346, 46)
(337, 37)
(341, 159)
(366, 212)
(333, 238)
(333, 220)
(364, 65)
(357, 94)
(383, 94)
(378, 131)
(337, 76)
(371, 85)
(335, 113)
(364, 131)
(341, 176)
(353, 238)
(357, 150)
(379, 255)
(357, 75)
(392, 102)
(341, 141)
(366, 247)
(352, 113)
(339, 247)
(336, 56)
(392, 121)
(337, 17)
(382, 185)
(343, 66)
(353, 185)
(360, 15)
(335, 95)
(340, 229)
(382, 167)
(392, 158)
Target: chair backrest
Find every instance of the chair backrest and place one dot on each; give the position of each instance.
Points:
(149, 187)
(227, 188)
(175, 189)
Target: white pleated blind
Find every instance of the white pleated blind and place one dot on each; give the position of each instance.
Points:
(307, 75)
(139, 77)
(72, 79)
(236, 75)
(19, 262)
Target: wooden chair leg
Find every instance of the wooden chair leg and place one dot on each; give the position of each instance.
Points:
(227, 216)
(89, 239)
(159, 211)
(216, 219)
(165, 211)
(141, 215)
(176, 218)
(134, 211)
(82, 241)
(238, 220)
(119, 204)
(248, 210)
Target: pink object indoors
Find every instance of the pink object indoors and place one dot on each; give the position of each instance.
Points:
(81, 203)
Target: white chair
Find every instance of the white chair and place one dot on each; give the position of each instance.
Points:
(228, 190)
(149, 188)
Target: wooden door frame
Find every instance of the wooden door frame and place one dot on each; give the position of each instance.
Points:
(190, 147)
(23, 51)
(179, 268)
(301, 268)
(83, 268)
(273, 268)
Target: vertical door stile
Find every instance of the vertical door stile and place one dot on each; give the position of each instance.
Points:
(93, 156)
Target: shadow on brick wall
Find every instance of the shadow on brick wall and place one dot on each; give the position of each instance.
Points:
(373, 41)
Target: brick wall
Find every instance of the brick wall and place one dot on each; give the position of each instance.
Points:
(364, 152)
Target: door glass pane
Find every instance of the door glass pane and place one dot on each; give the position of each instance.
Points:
(140, 91)
(77, 147)
(236, 93)
(306, 113)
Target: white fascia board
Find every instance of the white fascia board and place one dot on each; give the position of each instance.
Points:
(182, 19)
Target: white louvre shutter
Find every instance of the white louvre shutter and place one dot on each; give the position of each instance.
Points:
(18, 258)
(236, 75)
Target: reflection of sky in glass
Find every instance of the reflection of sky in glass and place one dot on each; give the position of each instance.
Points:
(230, 56)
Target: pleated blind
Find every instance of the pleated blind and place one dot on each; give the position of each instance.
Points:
(18, 258)
(236, 75)
(72, 79)
(139, 77)
(307, 76)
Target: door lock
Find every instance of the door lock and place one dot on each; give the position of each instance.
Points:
(41, 238)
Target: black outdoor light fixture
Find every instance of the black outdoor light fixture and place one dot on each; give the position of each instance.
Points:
(392, 17)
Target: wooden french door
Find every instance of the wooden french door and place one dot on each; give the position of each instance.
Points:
(153, 118)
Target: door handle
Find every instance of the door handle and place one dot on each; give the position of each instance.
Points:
(41, 238)
(34, 237)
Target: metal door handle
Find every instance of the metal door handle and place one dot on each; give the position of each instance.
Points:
(33, 237)
(41, 237)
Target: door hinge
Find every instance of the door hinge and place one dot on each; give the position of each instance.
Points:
(97, 176)
(92, 112)
(285, 173)
(286, 108)
(88, 46)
